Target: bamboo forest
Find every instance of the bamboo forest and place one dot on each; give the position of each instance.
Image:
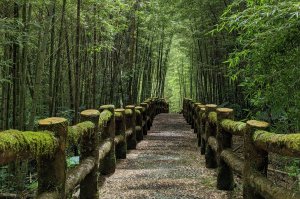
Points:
(150, 99)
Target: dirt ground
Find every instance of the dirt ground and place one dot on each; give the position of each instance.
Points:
(166, 164)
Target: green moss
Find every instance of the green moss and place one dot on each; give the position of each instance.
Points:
(137, 112)
(212, 117)
(105, 117)
(37, 143)
(233, 127)
(118, 114)
(128, 112)
(282, 141)
(77, 131)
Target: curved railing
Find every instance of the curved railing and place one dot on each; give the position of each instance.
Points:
(215, 128)
(102, 136)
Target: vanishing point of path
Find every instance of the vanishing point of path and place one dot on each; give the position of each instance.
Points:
(165, 165)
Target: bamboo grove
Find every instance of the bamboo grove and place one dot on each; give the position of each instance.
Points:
(58, 57)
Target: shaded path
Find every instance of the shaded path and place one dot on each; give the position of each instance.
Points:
(166, 164)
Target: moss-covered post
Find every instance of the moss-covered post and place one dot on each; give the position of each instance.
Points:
(210, 155)
(188, 111)
(190, 117)
(149, 115)
(184, 109)
(256, 160)
(145, 117)
(139, 123)
(52, 169)
(89, 147)
(202, 131)
(167, 107)
(121, 148)
(108, 165)
(199, 123)
(196, 117)
(156, 106)
(131, 124)
(152, 110)
(225, 174)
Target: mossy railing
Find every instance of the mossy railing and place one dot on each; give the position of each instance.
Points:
(215, 128)
(103, 136)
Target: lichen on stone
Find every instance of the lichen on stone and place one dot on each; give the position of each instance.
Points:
(36, 143)
(77, 131)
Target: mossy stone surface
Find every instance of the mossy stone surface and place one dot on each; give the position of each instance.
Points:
(258, 124)
(233, 127)
(285, 144)
(105, 117)
(76, 132)
(128, 112)
(212, 116)
(90, 113)
(51, 121)
(107, 107)
(36, 143)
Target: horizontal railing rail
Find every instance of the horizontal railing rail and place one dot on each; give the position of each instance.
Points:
(215, 128)
(102, 136)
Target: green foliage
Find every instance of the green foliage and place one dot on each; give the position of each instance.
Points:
(267, 57)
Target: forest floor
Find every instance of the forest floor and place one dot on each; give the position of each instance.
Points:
(166, 164)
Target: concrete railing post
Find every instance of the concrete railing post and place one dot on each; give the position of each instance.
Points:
(145, 117)
(139, 123)
(108, 165)
(131, 123)
(89, 147)
(210, 130)
(256, 160)
(121, 148)
(225, 174)
(52, 169)
(201, 138)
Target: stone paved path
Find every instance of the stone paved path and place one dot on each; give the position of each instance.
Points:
(166, 165)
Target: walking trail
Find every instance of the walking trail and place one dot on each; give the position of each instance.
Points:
(167, 164)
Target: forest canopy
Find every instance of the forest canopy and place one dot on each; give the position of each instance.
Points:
(58, 57)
